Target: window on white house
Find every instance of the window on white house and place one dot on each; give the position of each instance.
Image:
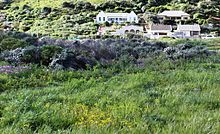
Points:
(162, 33)
(103, 18)
(100, 19)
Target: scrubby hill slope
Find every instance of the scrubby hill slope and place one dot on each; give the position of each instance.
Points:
(69, 19)
(152, 95)
(149, 87)
(47, 3)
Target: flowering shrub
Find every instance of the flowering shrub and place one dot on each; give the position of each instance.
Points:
(13, 69)
(92, 117)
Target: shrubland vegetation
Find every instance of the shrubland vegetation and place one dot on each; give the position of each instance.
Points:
(162, 97)
(75, 19)
(134, 86)
(50, 85)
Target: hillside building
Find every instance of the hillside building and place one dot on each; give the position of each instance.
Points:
(103, 17)
(158, 30)
(174, 15)
(121, 31)
(189, 31)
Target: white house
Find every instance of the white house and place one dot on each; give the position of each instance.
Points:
(116, 17)
(189, 30)
(174, 15)
(158, 30)
(121, 31)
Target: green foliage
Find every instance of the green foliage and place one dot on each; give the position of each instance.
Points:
(11, 43)
(40, 55)
(213, 44)
(160, 97)
(31, 55)
(48, 52)
(63, 18)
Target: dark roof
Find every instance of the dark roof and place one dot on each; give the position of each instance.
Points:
(160, 27)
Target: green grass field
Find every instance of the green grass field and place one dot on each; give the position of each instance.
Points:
(162, 97)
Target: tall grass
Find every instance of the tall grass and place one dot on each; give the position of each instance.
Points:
(161, 97)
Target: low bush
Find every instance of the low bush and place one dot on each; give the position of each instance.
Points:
(30, 55)
(48, 52)
(12, 43)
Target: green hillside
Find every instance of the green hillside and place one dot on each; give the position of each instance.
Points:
(47, 3)
(105, 86)
(71, 19)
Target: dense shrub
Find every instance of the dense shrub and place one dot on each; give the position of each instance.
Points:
(80, 54)
(40, 55)
(186, 51)
(30, 55)
(46, 10)
(72, 59)
(68, 5)
(84, 6)
(2, 5)
(48, 52)
(11, 43)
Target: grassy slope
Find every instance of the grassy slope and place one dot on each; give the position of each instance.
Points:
(47, 3)
(57, 26)
(157, 99)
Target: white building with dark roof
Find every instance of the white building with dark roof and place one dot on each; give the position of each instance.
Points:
(189, 30)
(158, 31)
(174, 15)
(116, 17)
